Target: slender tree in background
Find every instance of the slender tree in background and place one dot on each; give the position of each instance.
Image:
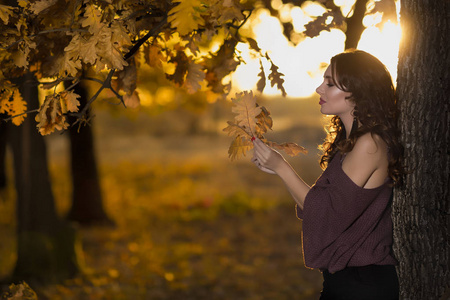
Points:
(87, 202)
(45, 243)
(421, 207)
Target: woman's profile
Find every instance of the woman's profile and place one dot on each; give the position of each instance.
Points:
(347, 226)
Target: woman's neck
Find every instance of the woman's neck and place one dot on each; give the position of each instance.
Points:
(347, 120)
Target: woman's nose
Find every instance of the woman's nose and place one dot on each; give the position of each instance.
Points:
(318, 89)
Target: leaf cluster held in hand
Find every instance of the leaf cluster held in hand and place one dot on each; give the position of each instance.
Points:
(252, 120)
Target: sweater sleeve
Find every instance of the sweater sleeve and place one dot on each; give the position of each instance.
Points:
(335, 221)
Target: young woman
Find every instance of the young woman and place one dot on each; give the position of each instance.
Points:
(347, 226)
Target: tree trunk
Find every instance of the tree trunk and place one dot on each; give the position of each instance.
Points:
(421, 207)
(355, 27)
(87, 205)
(46, 245)
(3, 138)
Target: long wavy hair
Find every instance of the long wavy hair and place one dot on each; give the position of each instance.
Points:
(376, 111)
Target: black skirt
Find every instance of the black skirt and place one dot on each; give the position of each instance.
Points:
(371, 282)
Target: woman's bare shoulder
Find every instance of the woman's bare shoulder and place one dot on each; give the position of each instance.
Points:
(370, 144)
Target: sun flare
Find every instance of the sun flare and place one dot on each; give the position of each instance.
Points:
(303, 64)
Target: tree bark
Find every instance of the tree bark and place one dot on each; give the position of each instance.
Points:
(87, 204)
(3, 138)
(421, 207)
(46, 245)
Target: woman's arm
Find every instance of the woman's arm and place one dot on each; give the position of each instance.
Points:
(271, 161)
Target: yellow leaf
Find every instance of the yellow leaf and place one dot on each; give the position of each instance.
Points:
(120, 38)
(265, 121)
(41, 5)
(88, 51)
(110, 56)
(153, 56)
(291, 149)
(132, 100)
(93, 19)
(194, 76)
(21, 291)
(239, 147)
(68, 65)
(50, 116)
(5, 12)
(75, 46)
(69, 101)
(186, 16)
(246, 111)
(234, 130)
(18, 107)
(275, 78)
(126, 79)
(251, 121)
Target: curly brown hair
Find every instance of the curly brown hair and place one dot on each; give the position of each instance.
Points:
(376, 111)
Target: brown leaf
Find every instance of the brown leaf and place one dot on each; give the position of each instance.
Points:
(262, 80)
(239, 147)
(275, 78)
(291, 149)
(246, 111)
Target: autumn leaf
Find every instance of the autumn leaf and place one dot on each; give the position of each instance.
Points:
(41, 5)
(235, 130)
(181, 62)
(110, 55)
(153, 56)
(195, 75)
(132, 100)
(242, 130)
(50, 115)
(92, 19)
(387, 8)
(246, 111)
(239, 147)
(261, 84)
(264, 122)
(69, 101)
(5, 13)
(275, 78)
(18, 108)
(186, 16)
(20, 291)
(291, 149)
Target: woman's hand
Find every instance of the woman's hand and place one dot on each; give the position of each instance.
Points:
(266, 158)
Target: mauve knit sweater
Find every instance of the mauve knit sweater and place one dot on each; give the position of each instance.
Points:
(345, 225)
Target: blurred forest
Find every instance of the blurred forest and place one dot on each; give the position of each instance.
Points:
(189, 224)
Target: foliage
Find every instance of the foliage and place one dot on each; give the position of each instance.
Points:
(333, 17)
(20, 291)
(252, 120)
(58, 40)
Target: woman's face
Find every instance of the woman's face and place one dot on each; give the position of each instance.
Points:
(333, 101)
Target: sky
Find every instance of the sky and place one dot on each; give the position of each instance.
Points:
(303, 64)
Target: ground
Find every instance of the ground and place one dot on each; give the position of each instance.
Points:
(190, 224)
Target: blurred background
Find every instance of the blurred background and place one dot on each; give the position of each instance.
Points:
(185, 222)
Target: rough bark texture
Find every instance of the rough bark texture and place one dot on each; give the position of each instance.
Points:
(87, 205)
(3, 137)
(421, 206)
(46, 245)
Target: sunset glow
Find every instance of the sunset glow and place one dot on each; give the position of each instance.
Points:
(303, 64)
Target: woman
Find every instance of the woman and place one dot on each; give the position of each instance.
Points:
(347, 226)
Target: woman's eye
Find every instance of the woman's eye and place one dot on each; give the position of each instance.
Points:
(330, 84)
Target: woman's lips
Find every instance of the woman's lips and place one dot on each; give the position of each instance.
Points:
(322, 101)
